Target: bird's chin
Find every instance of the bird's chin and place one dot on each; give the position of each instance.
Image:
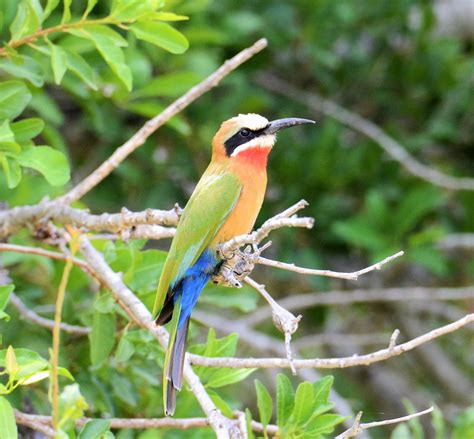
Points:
(262, 142)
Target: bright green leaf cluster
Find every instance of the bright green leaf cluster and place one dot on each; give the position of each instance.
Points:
(302, 414)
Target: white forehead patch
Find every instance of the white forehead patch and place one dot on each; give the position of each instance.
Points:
(251, 121)
(259, 142)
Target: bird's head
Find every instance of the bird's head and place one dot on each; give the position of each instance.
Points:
(249, 136)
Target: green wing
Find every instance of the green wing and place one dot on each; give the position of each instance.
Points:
(212, 201)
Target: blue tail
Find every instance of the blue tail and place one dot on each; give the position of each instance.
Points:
(182, 299)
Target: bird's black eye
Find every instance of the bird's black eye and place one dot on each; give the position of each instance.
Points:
(244, 132)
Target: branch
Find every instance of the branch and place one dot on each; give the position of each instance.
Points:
(34, 422)
(123, 151)
(124, 222)
(46, 253)
(222, 426)
(393, 148)
(456, 241)
(283, 219)
(357, 427)
(328, 273)
(301, 301)
(39, 422)
(333, 363)
(31, 316)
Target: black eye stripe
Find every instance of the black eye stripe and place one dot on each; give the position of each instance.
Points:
(232, 143)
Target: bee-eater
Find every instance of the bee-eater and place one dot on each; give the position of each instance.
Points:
(224, 204)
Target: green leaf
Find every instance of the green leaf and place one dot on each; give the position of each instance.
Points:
(12, 171)
(71, 405)
(162, 35)
(26, 20)
(27, 129)
(438, 423)
(323, 424)
(130, 10)
(322, 389)
(102, 337)
(264, 403)
(11, 364)
(166, 16)
(51, 5)
(24, 67)
(125, 349)
(415, 424)
(59, 62)
(14, 96)
(248, 419)
(414, 206)
(304, 401)
(170, 85)
(220, 403)
(5, 292)
(108, 44)
(90, 5)
(52, 164)
(94, 429)
(225, 376)
(285, 399)
(401, 431)
(464, 424)
(78, 65)
(66, 11)
(358, 232)
(7, 138)
(8, 428)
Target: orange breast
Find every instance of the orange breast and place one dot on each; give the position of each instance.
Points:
(251, 170)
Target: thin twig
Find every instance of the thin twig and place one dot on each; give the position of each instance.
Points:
(297, 302)
(46, 253)
(39, 422)
(333, 363)
(393, 148)
(56, 341)
(122, 152)
(31, 316)
(357, 427)
(328, 273)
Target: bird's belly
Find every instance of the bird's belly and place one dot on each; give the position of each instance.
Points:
(242, 218)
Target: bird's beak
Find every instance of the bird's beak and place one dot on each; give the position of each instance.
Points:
(280, 124)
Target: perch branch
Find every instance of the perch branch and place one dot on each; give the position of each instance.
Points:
(358, 427)
(393, 148)
(123, 151)
(334, 363)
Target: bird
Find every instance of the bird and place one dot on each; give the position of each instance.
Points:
(224, 204)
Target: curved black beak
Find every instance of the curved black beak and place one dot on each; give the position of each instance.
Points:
(280, 124)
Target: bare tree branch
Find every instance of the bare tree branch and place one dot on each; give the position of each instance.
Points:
(41, 423)
(296, 302)
(333, 363)
(393, 148)
(358, 427)
(46, 253)
(328, 273)
(14, 219)
(32, 317)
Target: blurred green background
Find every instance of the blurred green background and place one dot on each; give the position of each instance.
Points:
(394, 63)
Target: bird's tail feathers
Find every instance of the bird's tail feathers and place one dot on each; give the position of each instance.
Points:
(173, 376)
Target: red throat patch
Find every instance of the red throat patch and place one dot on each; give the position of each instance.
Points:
(256, 156)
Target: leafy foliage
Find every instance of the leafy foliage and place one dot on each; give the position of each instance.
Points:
(300, 414)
